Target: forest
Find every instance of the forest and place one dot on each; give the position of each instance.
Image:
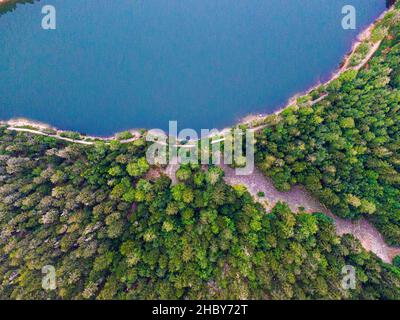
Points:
(345, 149)
(115, 227)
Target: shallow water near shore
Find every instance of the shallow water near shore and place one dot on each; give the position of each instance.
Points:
(109, 67)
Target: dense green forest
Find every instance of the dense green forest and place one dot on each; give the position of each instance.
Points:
(345, 149)
(115, 228)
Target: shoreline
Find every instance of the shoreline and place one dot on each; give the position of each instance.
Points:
(20, 122)
(252, 120)
(343, 67)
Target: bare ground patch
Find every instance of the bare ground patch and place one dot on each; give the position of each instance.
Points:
(297, 197)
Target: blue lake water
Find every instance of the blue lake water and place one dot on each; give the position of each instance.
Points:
(114, 65)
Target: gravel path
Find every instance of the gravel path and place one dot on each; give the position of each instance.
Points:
(366, 233)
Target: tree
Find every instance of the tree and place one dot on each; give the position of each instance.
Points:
(137, 168)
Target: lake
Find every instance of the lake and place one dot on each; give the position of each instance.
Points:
(115, 65)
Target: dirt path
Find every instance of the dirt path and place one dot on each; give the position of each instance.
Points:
(49, 135)
(366, 233)
(171, 169)
(57, 136)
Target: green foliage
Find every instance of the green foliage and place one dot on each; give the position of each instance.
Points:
(111, 234)
(71, 135)
(126, 135)
(348, 158)
(396, 261)
(363, 49)
(113, 231)
(137, 167)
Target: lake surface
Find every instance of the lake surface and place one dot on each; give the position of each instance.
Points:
(115, 65)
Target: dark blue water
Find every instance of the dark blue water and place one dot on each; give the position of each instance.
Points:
(114, 65)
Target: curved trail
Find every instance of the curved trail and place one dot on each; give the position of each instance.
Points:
(297, 197)
(57, 136)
